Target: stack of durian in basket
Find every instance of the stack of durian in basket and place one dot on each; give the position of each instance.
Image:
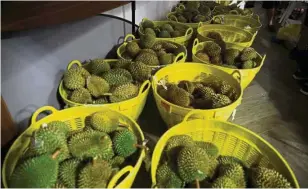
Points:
(101, 82)
(216, 52)
(233, 9)
(86, 158)
(207, 92)
(198, 164)
(149, 51)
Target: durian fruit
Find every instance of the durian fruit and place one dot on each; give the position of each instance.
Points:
(248, 64)
(77, 71)
(148, 59)
(199, 18)
(104, 121)
(68, 172)
(181, 19)
(193, 164)
(216, 60)
(178, 96)
(175, 143)
(90, 144)
(99, 66)
(206, 93)
(187, 86)
(248, 53)
(124, 143)
(210, 148)
(132, 48)
(220, 101)
(125, 55)
(192, 4)
(123, 92)
(224, 88)
(148, 51)
(81, 95)
(263, 177)
(161, 52)
(176, 33)
(147, 24)
(149, 31)
(224, 182)
(59, 184)
(232, 94)
(122, 63)
(229, 160)
(101, 100)
(157, 46)
(95, 174)
(203, 56)
(117, 77)
(97, 86)
(167, 45)
(167, 27)
(230, 55)
(213, 166)
(59, 126)
(234, 171)
(73, 81)
(147, 41)
(167, 178)
(117, 161)
(65, 153)
(212, 49)
(140, 71)
(166, 58)
(37, 172)
(164, 34)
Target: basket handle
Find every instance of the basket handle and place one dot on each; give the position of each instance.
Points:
(200, 24)
(220, 19)
(41, 110)
(192, 112)
(179, 57)
(128, 36)
(144, 86)
(237, 75)
(172, 18)
(189, 31)
(116, 177)
(196, 42)
(72, 63)
(181, 7)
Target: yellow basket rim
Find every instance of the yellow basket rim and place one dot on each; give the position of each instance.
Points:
(242, 17)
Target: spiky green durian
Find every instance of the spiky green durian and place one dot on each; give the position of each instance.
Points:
(212, 48)
(203, 56)
(90, 144)
(166, 59)
(214, 35)
(148, 59)
(102, 100)
(263, 177)
(147, 41)
(59, 126)
(232, 94)
(59, 184)
(178, 96)
(199, 18)
(248, 53)
(37, 172)
(164, 34)
(157, 46)
(230, 55)
(166, 177)
(149, 31)
(248, 64)
(99, 66)
(124, 92)
(220, 101)
(213, 166)
(104, 121)
(234, 171)
(147, 24)
(193, 164)
(216, 60)
(117, 77)
(229, 160)
(181, 19)
(117, 161)
(224, 88)
(161, 52)
(132, 48)
(206, 93)
(68, 172)
(95, 174)
(125, 55)
(167, 27)
(140, 71)
(148, 51)
(74, 81)
(175, 143)
(224, 182)
(121, 63)
(65, 153)
(82, 96)
(210, 148)
(176, 33)
(124, 143)
(97, 86)
(169, 46)
(187, 86)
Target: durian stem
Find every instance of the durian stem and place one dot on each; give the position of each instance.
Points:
(197, 184)
(140, 146)
(55, 155)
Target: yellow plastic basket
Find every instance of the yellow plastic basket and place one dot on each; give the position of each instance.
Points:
(183, 40)
(231, 139)
(181, 57)
(74, 117)
(132, 107)
(173, 114)
(171, 16)
(247, 74)
(230, 34)
(222, 5)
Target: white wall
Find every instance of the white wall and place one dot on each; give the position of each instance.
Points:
(33, 62)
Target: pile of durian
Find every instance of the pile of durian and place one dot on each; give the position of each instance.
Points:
(100, 82)
(198, 164)
(194, 12)
(167, 30)
(233, 9)
(209, 92)
(215, 52)
(148, 51)
(86, 158)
